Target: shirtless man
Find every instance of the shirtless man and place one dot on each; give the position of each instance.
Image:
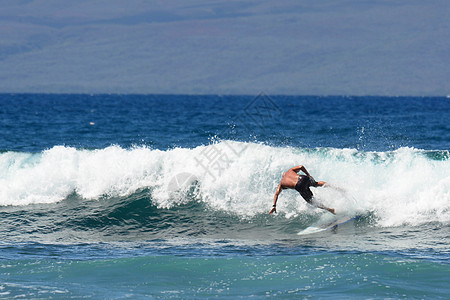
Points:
(301, 183)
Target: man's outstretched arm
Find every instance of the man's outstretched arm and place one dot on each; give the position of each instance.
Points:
(275, 199)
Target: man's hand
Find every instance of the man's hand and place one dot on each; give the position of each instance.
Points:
(273, 210)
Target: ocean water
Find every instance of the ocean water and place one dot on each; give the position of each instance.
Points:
(167, 196)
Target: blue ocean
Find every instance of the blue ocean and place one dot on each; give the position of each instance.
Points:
(167, 197)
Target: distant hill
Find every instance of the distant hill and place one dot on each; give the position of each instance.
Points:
(226, 47)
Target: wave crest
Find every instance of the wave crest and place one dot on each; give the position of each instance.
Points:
(403, 186)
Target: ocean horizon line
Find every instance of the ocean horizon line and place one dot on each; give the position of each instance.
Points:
(222, 94)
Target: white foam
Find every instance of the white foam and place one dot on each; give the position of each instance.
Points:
(399, 187)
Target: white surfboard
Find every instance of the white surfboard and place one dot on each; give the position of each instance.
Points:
(340, 222)
(327, 226)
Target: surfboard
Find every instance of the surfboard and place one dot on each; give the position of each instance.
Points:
(328, 226)
(339, 222)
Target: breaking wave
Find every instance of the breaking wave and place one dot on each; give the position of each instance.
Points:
(406, 186)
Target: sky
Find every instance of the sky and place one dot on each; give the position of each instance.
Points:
(295, 47)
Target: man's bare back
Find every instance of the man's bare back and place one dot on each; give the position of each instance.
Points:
(291, 180)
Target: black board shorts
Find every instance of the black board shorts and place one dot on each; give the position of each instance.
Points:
(302, 186)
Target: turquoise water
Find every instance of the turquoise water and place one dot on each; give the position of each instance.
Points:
(323, 275)
(110, 196)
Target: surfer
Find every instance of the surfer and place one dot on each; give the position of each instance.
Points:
(301, 183)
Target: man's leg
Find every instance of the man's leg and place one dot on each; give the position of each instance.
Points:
(320, 205)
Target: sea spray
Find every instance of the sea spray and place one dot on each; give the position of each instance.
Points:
(402, 186)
